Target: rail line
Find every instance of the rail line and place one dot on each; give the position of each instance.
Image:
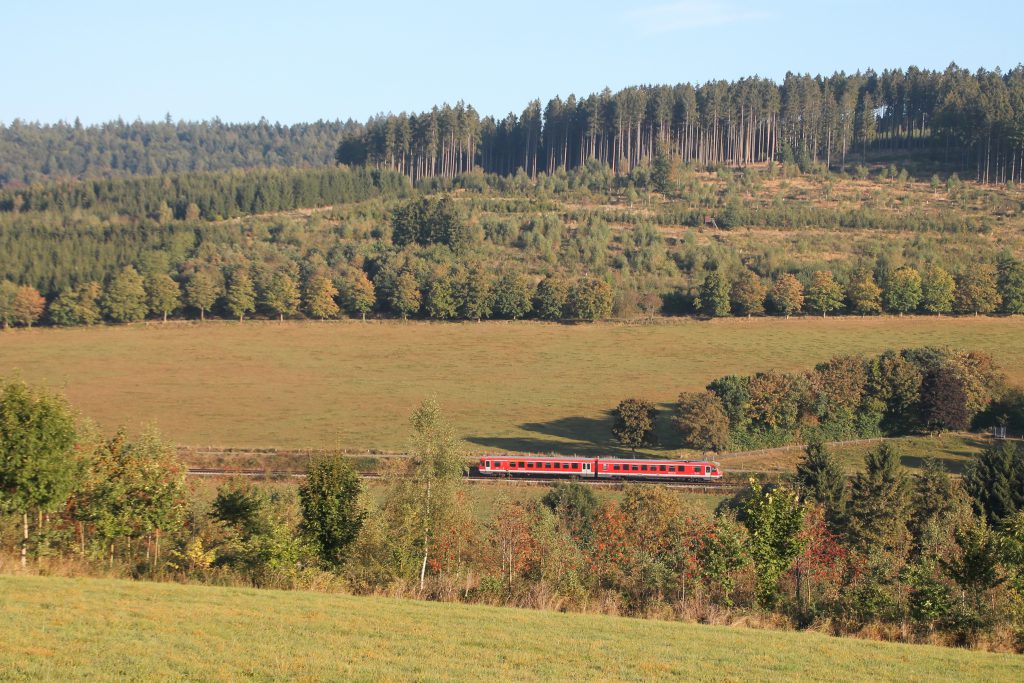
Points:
(697, 487)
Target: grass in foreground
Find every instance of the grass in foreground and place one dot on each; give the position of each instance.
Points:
(523, 386)
(86, 629)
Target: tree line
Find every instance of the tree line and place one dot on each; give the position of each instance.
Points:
(921, 557)
(972, 121)
(30, 152)
(405, 284)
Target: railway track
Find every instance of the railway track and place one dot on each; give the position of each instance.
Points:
(696, 487)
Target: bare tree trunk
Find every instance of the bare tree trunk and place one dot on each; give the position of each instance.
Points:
(24, 539)
(426, 539)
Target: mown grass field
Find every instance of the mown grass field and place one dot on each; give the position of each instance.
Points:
(520, 386)
(87, 629)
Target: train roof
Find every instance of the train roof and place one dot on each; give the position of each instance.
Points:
(521, 456)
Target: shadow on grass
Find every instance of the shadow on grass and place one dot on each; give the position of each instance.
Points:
(572, 435)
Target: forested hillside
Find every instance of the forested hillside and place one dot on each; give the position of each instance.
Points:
(972, 123)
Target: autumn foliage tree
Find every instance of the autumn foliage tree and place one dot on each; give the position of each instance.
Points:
(634, 423)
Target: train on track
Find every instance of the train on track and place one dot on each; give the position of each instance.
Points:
(599, 468)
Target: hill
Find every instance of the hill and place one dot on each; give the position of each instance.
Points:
(84, 629)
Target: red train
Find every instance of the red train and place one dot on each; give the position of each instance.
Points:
(600, 468)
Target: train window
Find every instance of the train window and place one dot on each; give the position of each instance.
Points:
(547, 466)
(671, 468)
(487, 463)
(634, 468)
(575, 465)
(616, 467)
(558, 465)
(643, 468)
(512, 464)
(661, 467)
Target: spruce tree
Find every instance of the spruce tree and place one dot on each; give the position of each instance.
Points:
(820, 478)
(713, 299)
(880, 503)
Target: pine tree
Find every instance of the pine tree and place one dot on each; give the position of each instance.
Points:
(713, 299)
(241, 295)
(1011, 285)
(880, 503)
(995, 481)
(820, 478)
(331, 511)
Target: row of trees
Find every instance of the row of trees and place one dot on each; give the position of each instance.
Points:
(921, 557)
(982, 288)
(405, 285)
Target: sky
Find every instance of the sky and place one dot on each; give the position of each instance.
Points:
(308, 60)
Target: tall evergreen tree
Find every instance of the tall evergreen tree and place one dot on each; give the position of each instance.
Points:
(820, 478)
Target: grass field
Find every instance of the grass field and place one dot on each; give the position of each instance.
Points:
(87, 629)
(523, 386)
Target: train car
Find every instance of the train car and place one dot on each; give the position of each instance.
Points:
(532, 465)
(599, 468)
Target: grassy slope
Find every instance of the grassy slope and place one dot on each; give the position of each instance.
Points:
(523, 386)
(64, 629)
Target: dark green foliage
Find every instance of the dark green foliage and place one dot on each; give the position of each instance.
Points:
(240, 504)
(995, 481)
(331, 512)
(880, 503)
(1011, 285)
(550, 300)
(634, 423)
(513, 296)
(713, 299)
(820, 478)
(575, 505)
(430, 220)
(476, 293)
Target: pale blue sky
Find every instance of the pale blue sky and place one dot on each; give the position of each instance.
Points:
(306, 59)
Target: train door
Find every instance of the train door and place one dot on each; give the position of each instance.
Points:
(586, 470)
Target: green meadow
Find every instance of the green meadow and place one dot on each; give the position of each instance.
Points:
(87, 629)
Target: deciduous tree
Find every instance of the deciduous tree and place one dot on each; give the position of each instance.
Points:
(634, 423)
